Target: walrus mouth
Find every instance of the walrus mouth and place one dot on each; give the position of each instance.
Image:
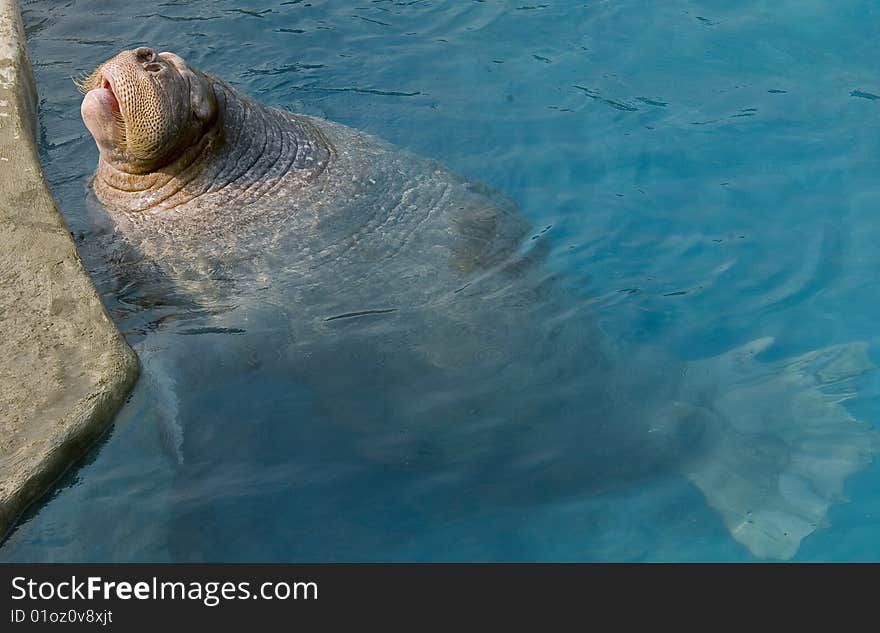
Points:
(114, 102)
(100, 92)
(98, 80)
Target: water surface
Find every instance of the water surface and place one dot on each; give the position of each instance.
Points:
(705, 172)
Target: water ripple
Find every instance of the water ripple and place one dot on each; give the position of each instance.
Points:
(617, 105)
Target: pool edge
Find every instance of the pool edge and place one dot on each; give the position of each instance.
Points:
(64, 367)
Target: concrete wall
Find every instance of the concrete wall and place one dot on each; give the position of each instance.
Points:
(64, 367)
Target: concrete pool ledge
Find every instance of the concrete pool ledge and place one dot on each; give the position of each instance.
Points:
(64, 367)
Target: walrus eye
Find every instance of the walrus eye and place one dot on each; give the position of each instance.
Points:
(153, 68)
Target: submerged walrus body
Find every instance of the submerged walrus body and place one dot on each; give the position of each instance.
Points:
(417, 309)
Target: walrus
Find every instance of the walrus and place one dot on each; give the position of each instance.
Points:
(418, 307)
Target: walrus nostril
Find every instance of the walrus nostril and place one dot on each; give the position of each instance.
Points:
(144, 54)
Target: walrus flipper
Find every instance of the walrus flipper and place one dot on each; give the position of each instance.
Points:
(165, 401)
(780, 443)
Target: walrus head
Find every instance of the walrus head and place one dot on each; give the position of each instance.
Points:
(143, 109)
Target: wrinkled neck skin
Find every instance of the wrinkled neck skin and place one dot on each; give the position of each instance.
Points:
(240, 156)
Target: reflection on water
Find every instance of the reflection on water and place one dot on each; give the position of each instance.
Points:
(701, 178)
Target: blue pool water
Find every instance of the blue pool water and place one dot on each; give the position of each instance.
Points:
(709, 173)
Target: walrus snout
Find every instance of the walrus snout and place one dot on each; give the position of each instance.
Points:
(143, 107)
